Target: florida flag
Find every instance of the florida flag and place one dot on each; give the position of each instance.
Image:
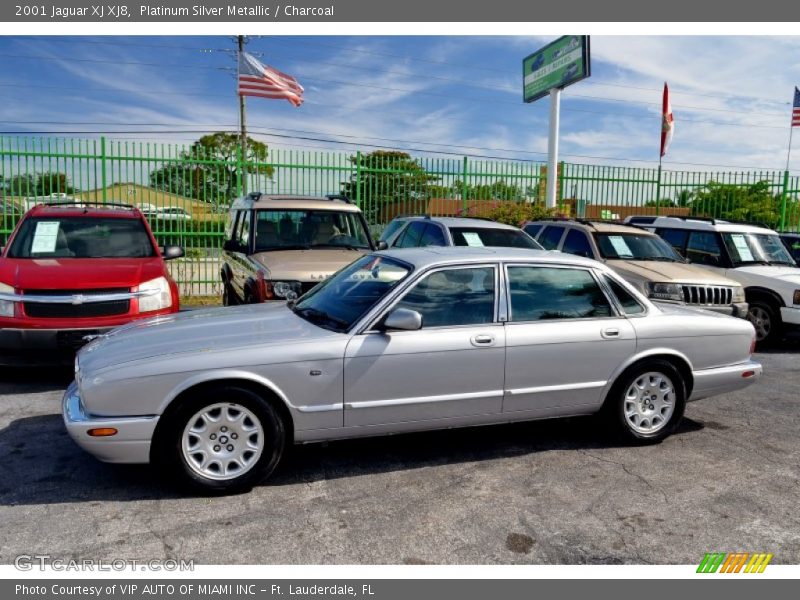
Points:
(667, 122)
(264, 81)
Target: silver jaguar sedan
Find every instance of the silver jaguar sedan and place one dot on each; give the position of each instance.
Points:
(401, 340)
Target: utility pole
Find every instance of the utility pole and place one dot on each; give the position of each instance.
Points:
(242, 125)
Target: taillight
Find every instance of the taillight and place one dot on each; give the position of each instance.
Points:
(753, 345)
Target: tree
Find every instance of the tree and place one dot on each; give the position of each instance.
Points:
(516, 213)
(209, 169)
(41, 184)
(754, 203)
(388, 177)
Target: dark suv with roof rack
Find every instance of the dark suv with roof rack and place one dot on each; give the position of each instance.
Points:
(71, 272)
(279, 247)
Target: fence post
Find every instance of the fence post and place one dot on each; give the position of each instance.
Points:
(658, 190)
(239, 171)
(464, 188)
(783, 198)
(560, 180)
(358, 178)
(103, 184)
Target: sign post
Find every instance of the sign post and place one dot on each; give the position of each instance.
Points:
(548, 71)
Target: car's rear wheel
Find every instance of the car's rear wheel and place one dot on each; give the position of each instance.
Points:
(225, 439)
(647, 402)
(766, 320)
(228, 295)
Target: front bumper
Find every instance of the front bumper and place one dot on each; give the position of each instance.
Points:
(131, 444)
(29, 347)
(721, 380)
(737, 309)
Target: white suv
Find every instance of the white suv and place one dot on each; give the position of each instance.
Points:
(753, 256)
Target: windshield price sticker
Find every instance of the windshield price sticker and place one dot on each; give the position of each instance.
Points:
(472, 239)
(45, 237)
(741, 247)
(620, 246)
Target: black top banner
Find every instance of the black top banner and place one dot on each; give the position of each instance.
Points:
(461, 11)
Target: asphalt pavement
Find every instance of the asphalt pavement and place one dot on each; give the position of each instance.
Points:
(543, 492)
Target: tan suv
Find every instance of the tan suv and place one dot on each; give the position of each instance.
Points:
(643, 259)
(279, 247)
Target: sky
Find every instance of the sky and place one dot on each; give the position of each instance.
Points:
(445, 95)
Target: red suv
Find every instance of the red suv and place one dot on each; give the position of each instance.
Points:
(70, 272)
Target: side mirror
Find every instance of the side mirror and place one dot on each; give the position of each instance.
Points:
(382, 245)
(171, 252)
(403, 319)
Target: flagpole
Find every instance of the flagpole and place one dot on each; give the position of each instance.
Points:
(242, 125)
(789, 153)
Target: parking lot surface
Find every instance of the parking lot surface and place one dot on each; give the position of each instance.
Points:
(542, 492)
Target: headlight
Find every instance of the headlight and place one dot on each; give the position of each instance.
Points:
(738, 294)
(161, 299)
(286, 290)
(6, 306)
(796, 297)
(665, 291)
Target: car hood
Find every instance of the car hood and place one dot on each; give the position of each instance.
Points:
(653, 270)
(78, 273)
(306, 265)
(209, 330)
(790, 274)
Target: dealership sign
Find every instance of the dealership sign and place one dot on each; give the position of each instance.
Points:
(557, 65)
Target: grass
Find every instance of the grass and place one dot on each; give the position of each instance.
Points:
(201, 301)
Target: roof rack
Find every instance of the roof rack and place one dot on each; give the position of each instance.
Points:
(341, 197)
(588, 222)
(83, 204)
(255, 196)
(711, 220)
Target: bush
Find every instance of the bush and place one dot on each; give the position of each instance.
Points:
(516, 213)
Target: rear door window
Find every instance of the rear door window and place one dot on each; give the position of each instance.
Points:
(551, 236)
(703, 248)
(577, 242)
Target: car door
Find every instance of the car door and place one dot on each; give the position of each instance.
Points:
(239, 247)
(564, 339)
(452, 367)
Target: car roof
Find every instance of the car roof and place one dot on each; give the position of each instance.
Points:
(708, 225)
(445, 255)
(292, 202)
(464, 222)
(112, 210)
(601, 226)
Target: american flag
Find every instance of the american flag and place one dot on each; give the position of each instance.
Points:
(264, 81)
(796, 108)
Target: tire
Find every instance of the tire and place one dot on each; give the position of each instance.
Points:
(225, 439)
(766, 318)
(658, 383)
(229, 297)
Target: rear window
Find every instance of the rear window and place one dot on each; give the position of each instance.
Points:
(81, 237)
(504, 238)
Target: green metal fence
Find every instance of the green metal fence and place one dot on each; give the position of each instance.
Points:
(198, 182)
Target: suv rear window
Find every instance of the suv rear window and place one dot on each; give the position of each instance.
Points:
(81, 237)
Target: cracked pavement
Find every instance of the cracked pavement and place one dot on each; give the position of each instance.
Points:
(542, 492)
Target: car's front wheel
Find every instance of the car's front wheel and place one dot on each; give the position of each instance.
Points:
(766, 320)
(647, 402)
(225, 439)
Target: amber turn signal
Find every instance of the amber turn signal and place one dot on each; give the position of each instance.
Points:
(102, 432)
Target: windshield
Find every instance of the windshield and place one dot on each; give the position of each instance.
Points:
(81, 237)
(486, 236)
(760, 248)
(635, 246)
(290, 229)
(339, 301)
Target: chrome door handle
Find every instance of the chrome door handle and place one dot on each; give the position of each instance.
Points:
(482, 340)
(610, 333)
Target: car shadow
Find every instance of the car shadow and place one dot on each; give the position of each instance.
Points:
(44, 466)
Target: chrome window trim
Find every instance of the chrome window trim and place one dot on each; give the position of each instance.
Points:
(603, 276)
(590, 270)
